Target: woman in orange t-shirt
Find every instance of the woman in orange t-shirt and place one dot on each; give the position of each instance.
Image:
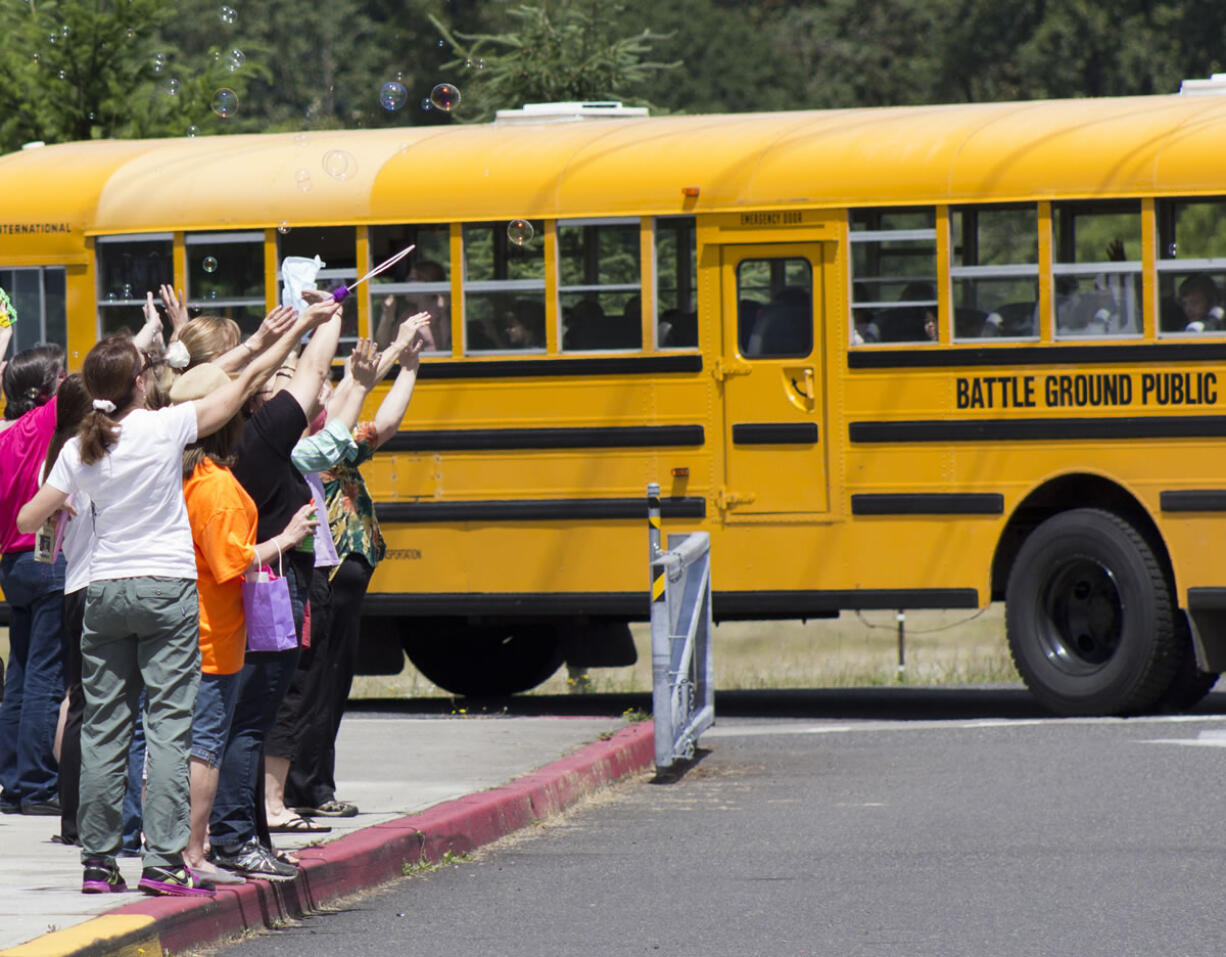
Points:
(223, 521)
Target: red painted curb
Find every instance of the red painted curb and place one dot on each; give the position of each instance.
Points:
(379, 853)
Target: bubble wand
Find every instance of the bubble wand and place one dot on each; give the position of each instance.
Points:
(341, 291)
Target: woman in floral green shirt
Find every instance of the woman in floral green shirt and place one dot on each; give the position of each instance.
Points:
(311, 787)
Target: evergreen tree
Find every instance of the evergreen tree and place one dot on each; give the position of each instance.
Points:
(581, 50)
(75, 70)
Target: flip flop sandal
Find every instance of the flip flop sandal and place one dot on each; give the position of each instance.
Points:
(330, 809)
(298, 825)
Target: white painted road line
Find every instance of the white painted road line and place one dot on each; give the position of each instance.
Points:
(972, 724)
(1209, 738)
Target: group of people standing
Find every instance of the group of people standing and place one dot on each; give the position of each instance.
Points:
(142, 496)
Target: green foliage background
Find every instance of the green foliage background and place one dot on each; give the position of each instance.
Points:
(81, 69)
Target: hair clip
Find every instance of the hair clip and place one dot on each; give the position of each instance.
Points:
(177, 356)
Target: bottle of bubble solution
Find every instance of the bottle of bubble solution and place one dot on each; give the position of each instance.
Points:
(308, 543)
(44, 541)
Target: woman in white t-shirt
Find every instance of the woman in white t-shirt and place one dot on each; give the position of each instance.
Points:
(141, 610)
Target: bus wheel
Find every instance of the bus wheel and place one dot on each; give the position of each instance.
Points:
(484, 661)
(1190, 684)
(1089, 616)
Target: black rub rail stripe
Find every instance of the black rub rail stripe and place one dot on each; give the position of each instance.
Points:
(934, 503)
(1027, 355)
(798, 603)
(1210, 599)
(636, 604)
(489, 440)
(774, 433)
(1193, 500)
(536, 510)
(532, 368)
(1010, 430)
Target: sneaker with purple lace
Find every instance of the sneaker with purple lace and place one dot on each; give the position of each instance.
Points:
(174, 882)
(102, 877)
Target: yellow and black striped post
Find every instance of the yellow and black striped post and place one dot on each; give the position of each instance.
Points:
(653, 540)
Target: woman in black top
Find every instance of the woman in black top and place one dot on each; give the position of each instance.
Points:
(263, 467)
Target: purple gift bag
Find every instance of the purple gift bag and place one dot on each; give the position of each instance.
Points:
(270, 616)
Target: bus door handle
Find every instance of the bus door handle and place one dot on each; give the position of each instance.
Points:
(804, 385)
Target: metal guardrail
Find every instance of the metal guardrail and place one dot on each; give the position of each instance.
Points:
(683, 683)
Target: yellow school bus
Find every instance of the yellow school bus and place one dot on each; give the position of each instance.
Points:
(921, 357)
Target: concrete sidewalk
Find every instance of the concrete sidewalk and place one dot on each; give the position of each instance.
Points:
(479, 778)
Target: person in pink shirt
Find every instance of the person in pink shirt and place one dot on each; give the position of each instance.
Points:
(34, 680)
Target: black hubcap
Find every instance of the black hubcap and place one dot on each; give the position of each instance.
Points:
(1083, 617)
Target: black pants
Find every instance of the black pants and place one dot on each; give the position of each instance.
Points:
(70, 744)
(326, 680)
(294, 716)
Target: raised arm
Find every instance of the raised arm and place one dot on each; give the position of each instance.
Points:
(315, 363)
(150, 336)
(175, 306)
(411, 335)
(396, 402)
(360, 378)
(275, 324)
(216, 409)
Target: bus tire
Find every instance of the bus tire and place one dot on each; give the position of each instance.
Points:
(484, 661)
(1190, 684)
(1089, 616)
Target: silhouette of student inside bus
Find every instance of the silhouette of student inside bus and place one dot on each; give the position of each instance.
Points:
(783, 327)
(1201, 303)
(911, 323)
(523, 325)
(865, 328)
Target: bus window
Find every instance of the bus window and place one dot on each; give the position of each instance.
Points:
(38, 297)
(774, 308)
(419, 283)
(127, 268)
(1097, 285)
(600, 283)
(225, 276)
(894, 267)
(337, 247)
(1191, 265)
(676, 250)
(504, 289)
(995, 271)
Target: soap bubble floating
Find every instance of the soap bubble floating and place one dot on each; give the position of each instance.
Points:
(520, 231)
(339, 164)
(225, 103)
(445, 96)
(393, 96)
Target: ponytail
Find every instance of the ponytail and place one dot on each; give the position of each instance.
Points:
(109, 373)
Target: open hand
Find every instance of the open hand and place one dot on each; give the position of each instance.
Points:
(175, 306)
(362, 363)
(414, 334)
(277, 323)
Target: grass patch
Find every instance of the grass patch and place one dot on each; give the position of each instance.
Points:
(942, 648)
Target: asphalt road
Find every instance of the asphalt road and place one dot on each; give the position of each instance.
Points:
(940, 834)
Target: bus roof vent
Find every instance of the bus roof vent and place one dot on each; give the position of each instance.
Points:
(569, 112)
(1215, 84)
(33, 145)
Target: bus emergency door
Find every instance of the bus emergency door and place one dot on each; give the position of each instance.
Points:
(773, 387)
